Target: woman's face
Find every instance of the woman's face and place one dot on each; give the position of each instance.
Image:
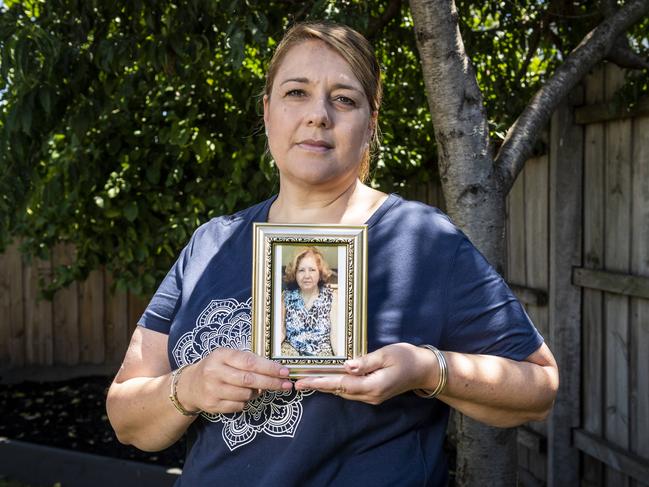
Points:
(307, 274)
(317, 117)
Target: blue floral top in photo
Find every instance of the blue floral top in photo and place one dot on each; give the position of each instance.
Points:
(308, 330)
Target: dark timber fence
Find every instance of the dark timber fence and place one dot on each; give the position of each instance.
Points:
(85, 324)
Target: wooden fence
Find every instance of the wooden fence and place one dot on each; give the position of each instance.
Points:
(84, 324)
(608, 440)
(615, 282)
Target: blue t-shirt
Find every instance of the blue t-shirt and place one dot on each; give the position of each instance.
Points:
(427, 284)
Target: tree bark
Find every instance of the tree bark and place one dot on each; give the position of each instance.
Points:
(461, 132)
(475, 183)
(475, 201)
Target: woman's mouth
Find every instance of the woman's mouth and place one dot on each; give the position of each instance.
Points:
(315, 145)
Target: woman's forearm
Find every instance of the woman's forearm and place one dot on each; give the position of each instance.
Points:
(499, 391)
(142, 415)
(494, 390)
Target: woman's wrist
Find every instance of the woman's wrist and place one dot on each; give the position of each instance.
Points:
(436, 373)
(177, 394)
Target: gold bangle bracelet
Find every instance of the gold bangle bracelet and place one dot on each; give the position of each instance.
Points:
(443, 375)
(175, 375)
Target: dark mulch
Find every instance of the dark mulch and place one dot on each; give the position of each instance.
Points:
(71, 414)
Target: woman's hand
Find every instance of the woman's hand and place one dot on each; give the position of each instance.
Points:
(495, 390)
(225, 380)
(379, 375)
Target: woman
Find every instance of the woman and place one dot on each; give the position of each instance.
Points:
(441, 321)
(308, 307)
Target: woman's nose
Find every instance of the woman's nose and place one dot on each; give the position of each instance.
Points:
(319, 113)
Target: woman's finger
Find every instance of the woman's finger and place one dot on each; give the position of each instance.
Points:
(248, 361)
(366, 364)
(341, 385)
(227, 392)
(251, 380)
(327, 384)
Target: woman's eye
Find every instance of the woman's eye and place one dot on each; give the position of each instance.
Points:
(295, 92)
(346, 100)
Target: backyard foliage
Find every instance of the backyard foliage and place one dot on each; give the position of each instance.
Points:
(126, 124)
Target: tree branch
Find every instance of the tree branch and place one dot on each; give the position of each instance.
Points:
(377, 23)
(622, 55)
(621, 52)
(535, 39)
(608, 8)
(521, 136)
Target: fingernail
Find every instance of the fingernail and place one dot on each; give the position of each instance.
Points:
(287, 385)
(284, 372)
(351, 365)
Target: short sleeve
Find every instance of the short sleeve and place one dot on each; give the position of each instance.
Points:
(162, 308)
(482, 314)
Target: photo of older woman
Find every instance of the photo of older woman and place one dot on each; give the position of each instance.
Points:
(309, 306)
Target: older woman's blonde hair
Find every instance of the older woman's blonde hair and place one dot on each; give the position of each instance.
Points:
(354, 49)
(321, 263)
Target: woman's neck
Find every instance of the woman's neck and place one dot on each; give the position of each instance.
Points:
(352, 204)
(307, 296)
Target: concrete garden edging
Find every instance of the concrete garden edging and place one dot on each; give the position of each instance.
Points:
(39, 465)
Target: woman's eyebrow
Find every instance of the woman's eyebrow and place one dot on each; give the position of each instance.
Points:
(297, 80)
(336, 86)
(343, 86)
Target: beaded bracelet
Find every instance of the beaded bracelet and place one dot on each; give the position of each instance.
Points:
(443, 375)
(174, 398)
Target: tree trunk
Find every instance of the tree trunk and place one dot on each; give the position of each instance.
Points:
(475, 201)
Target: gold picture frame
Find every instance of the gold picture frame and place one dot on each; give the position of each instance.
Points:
(278, 311)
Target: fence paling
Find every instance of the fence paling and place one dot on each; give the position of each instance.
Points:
(640, 307)
(593, 245)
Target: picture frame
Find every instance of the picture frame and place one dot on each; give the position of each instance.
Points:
(310, 328)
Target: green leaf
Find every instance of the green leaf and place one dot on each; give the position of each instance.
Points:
(131, 211)
(153, 173)
(45, 99)
(237, 47)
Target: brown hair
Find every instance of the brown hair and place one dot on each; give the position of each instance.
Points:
(354, 49)
(323, 267)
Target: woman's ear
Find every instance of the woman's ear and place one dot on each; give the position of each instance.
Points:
(266, 116)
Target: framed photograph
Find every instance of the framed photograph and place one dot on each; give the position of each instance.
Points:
(309, 296)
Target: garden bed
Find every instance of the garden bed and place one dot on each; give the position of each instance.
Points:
(71, 414)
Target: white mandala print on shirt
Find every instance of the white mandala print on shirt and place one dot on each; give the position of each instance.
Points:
(227, 323)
